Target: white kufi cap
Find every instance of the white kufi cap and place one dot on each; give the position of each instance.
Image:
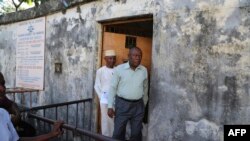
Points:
(109, 53)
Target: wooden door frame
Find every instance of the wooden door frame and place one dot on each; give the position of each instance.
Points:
(131, 19)
(113, 21)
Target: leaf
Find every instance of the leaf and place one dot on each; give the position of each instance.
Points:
(29, 2)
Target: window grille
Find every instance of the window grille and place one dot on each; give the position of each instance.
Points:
(130, 42)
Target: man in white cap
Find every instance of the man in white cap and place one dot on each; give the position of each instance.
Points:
(102, 84)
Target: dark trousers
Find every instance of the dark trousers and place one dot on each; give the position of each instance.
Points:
(125, 111)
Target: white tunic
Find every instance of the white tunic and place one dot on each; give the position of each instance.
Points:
(7, 130)
(102, 83)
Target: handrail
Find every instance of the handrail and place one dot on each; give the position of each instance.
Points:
(23, 92)
(56, 105)
(72, 128)
(19, 90)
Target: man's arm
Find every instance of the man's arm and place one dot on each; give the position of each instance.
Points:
(112, 93)
(54, 133)
(98, 83)
(145, 89)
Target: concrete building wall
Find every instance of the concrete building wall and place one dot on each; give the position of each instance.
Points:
(201, 48)
(200, 61)
(8, 53)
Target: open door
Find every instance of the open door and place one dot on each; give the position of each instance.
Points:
(124, 34)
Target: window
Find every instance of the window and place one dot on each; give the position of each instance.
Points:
(130, 42)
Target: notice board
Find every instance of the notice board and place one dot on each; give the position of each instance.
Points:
(30, 40)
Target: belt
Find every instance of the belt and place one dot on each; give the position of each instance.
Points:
(129, 100)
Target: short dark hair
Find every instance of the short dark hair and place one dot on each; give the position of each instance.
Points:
(134, 48)
(2, 81)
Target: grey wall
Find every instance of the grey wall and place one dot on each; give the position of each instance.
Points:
(7, 53)
(200, 68)
(200, 78)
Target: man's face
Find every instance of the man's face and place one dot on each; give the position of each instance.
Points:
(110, 61)
(135, 56)
(2, 90)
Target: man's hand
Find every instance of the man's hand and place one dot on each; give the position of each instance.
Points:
(57, 128)
(111, 112)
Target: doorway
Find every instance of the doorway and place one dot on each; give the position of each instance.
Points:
(120, 35)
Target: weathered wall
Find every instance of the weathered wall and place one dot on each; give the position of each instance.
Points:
(8, 53)
(71, 41)
(202, 49)
(200, 68)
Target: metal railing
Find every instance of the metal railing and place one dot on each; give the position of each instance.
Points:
(45, 114)
(66, 111)
(74, 129)
(21, 93)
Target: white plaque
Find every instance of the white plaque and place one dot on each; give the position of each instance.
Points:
(30, 41)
